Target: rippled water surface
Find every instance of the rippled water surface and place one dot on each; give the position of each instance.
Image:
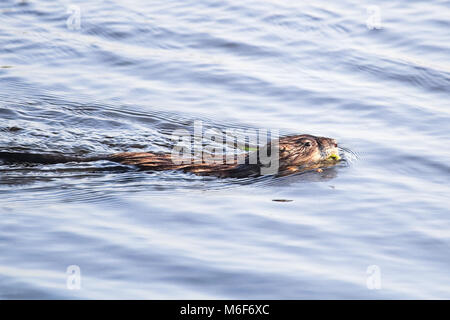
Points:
(98, 77)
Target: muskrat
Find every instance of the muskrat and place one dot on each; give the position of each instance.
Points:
(296, 153)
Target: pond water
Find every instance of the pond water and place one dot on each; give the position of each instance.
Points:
(98, 77)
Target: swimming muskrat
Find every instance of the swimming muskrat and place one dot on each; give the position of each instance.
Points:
(296, 153)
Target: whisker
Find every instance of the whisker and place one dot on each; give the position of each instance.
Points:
(352, 155)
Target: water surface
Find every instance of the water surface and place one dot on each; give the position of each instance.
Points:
(132, 72)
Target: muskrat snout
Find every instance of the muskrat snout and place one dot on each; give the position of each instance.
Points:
(330, 149)
(334, 143)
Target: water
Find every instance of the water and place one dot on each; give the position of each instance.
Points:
(126, 74)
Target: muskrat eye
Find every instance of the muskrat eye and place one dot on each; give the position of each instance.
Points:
(307, 143)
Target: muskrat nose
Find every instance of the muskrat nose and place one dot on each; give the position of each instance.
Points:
(334, 143)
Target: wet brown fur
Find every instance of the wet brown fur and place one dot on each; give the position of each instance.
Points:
(294, 155)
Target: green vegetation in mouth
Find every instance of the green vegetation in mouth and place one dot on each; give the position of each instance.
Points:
(334, 157)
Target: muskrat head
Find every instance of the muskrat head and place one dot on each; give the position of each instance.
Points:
(306, 150)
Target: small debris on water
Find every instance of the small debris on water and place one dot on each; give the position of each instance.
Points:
(282, 200)
(14, 129)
